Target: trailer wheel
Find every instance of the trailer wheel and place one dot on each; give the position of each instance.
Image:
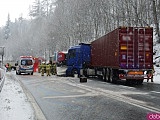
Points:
(139, 82)
(112, 76)
(107, 79)
(104, 74)
(128, 82)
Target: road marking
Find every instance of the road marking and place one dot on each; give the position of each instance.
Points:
(155, 92)
(117, 96)
(70, 96)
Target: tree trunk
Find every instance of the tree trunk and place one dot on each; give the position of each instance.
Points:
(156, 20)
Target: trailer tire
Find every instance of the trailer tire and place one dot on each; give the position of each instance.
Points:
(104, 74)
(112, 76)
(139, 82)
(107, 78)
(128, 82)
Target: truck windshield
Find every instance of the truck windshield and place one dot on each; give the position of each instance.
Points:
(26, 62)
(71, 53)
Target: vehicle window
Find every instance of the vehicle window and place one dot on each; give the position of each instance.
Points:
(26, 62)
(71, 54)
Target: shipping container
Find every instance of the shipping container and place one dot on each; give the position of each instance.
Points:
(124, 48)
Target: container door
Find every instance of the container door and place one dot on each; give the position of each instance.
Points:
(143, 48)
(136, 48)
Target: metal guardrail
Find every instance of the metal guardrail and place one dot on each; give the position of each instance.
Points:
(2, 78)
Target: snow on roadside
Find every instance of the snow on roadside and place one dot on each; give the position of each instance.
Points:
(156, 77)
(14, 104)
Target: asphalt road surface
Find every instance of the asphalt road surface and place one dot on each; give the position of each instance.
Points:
(65, 98)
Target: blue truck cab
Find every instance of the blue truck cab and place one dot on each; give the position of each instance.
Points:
(78, 58)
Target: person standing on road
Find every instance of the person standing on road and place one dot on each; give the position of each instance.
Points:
(54, 69)
(48, 69)
(42, 67)
(7, 65)
(150, 74)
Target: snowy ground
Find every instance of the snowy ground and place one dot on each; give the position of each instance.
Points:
(14, 104)
(156, 77)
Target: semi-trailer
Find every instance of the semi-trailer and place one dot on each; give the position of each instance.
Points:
(125, 53)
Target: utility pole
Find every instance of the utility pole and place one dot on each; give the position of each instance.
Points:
(2, 54)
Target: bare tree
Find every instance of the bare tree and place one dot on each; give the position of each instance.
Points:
(156, 21)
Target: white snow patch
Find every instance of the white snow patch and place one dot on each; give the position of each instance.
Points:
(14, 104)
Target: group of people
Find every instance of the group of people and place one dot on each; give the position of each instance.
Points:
(49, 68)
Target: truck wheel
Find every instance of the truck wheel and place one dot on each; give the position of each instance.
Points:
(85, 73)
(112, 77)
(128, 82)
(107, 75)
(139, 82)
(74, 71)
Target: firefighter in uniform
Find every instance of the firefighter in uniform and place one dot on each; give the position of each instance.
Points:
(54, 69)
(42, 67)
(48, 69)
(51, 68)
(39, 68)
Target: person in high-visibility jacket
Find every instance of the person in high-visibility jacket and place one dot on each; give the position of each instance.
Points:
(54, 69)
(42, 67)
(39, 68)
(48, 69)
(52, 72)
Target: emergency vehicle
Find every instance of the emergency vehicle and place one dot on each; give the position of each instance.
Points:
(25, 65)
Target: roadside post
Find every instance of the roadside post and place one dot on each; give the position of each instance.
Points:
(2, 54)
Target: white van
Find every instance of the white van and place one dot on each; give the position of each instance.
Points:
(24, 65)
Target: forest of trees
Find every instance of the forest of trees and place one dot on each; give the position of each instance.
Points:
(54, 25)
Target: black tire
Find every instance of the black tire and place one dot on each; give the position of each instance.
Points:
(104, 74)
(112, 76)
(139, 82)
(128, 82)
(74, 71)
(107, 75)
(85, 72)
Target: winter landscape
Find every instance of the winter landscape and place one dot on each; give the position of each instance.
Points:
(55, 25)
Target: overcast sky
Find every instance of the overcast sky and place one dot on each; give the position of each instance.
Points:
(15, 8)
